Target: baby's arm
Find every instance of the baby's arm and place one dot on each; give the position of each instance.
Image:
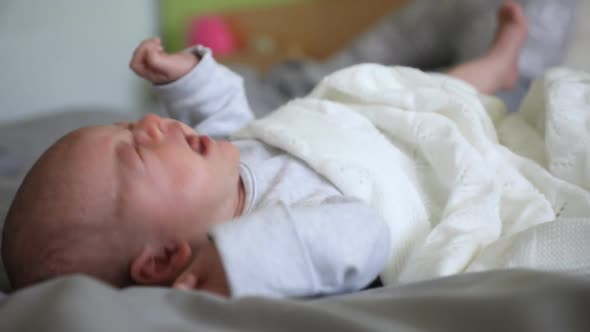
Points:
(195, 88)
(339, 246)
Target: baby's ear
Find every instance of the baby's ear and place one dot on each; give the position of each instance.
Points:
(161, 265)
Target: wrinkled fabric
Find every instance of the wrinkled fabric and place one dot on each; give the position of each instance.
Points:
(497, 301)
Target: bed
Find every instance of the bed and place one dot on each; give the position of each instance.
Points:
(496, 301)
(511, 299)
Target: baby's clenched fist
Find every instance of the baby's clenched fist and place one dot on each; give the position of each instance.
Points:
(151, 62)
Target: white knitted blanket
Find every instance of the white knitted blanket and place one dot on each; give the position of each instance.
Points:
(463, 186)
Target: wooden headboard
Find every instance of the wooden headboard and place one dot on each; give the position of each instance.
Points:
(314, 29)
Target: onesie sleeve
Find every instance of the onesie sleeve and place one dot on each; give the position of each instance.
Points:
(210, 98)
(336, 247)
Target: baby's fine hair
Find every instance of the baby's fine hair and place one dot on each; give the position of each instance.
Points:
(56, 226)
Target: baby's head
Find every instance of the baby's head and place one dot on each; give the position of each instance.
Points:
(127, 203)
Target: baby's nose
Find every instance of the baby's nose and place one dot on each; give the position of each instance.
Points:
(150, 125)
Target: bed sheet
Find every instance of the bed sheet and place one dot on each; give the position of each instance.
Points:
(579, 48)
(496, 301)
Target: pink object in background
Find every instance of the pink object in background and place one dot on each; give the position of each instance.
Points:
(213, 32)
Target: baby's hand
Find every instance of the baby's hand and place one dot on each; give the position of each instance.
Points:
(206, 272)
(151, 62)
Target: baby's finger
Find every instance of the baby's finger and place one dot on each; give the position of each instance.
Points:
(137, 60)
(142, 46)
(186, 281)
(156, 40)
(159, 46)
(153, 58)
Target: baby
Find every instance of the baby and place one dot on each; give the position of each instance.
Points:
(156, 202)
(140, 202)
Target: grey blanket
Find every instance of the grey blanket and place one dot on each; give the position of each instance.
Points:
(494, 301)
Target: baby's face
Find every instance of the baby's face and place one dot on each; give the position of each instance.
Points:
(165, 177)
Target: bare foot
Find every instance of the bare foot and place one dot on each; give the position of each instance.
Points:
(498, 69)
(511, 34)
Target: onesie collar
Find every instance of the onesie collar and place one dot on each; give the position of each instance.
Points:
(249, 188)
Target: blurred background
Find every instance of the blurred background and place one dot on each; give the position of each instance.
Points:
(63, 55)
